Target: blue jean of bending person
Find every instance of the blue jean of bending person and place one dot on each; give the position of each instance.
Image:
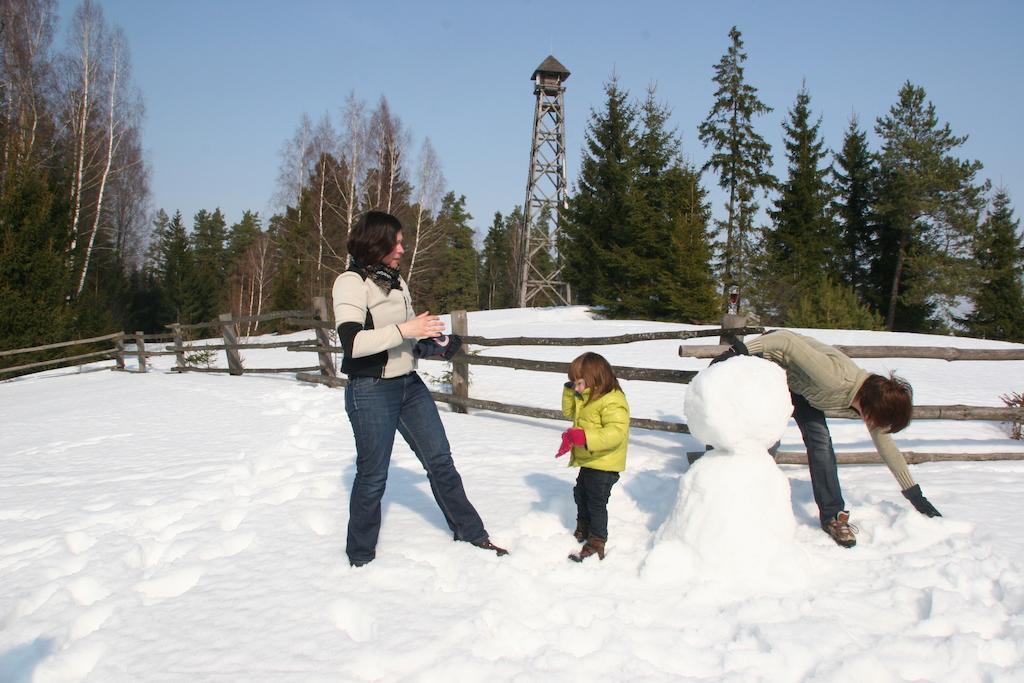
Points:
(377, 408)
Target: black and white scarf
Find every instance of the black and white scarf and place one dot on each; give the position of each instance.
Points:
(383, 276)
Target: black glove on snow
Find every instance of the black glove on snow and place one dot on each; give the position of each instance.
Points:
(430, 348)
(920, 503)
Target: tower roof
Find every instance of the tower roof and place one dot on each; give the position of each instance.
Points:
(551, 66)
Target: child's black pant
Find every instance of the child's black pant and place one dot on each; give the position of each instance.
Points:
(593, 487)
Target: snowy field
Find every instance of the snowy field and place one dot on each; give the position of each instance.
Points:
(166, 527)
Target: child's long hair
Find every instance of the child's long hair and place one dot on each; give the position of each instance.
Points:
(593, 369)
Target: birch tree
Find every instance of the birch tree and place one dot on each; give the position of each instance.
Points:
(353, 156)
(82, 71)
(429, 187)
(119, 112)
(389, 142)
(26, 72)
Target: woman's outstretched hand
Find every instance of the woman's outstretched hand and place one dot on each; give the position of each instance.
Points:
(423, 325)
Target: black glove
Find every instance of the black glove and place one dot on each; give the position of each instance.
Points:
(737, 349)
(431, 347)
(920, 503)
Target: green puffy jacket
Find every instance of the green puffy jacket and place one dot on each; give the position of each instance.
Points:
(606, 424)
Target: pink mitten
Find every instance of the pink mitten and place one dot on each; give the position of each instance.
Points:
(577, 436)
(566, 445)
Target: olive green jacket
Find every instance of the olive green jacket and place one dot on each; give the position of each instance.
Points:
(606, 424)
(829, 380)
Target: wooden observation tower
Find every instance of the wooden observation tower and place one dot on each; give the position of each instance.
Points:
(540, 266)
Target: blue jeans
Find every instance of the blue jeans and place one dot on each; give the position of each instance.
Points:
(592, 490)
(377, 408)
(821, 458)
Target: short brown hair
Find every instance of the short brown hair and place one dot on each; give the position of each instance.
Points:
(886, 403)
(593, 369)
(373, 238)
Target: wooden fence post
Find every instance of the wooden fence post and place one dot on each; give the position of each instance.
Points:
(119, 352)
(460, 370)
(230, 332)
(140, 348)
(179, 347)
(730, 320)
(323, 337)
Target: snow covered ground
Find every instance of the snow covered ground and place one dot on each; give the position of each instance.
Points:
(166, 527)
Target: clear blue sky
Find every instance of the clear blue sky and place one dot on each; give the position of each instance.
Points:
(225, 82)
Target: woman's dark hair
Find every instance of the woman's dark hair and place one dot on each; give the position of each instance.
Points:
(593, 369)
(886, 403)
(373, 238)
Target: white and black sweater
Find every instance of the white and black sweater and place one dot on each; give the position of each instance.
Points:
(367, 321)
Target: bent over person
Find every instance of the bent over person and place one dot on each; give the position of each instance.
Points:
(381, 337)
(823, 378)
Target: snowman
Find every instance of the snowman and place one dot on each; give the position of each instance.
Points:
(733, 519)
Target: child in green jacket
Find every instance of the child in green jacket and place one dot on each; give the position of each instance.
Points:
(594, 401)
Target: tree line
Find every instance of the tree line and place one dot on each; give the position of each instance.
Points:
(906, 237)
(855, 238)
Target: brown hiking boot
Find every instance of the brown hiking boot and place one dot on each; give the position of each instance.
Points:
(581, 531)
(487, 545)
(841, 531)
(593, 546)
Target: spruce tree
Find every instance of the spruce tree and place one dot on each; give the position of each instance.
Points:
(497, 274)
(803, 242)
(854, 177)
(668, 272)
(998, 298)
(34, 279)
(601, 209)
(741, 157)
(453, 286)
(928, 204)
(179, 294)
(210, 258)
(829, 305)
(241, 236)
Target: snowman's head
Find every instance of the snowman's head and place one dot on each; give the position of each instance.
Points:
(739, 406)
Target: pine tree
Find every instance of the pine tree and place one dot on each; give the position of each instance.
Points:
(601, 210)
(153, 260)
(210, 258)
(177, 282)
(741, 158)
(854, 176)
(241, 236)
(497, 273)
(34, 278)
(453, 285)
(669, 277)
(928, 204)
(827, 305)
(998, 296)
(803, 242)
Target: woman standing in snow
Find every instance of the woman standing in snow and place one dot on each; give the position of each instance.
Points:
(378, 331)
(598, 437)
(821, 378)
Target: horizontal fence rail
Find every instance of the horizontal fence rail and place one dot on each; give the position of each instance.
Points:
(934, 352)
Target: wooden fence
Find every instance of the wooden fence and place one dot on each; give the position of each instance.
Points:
(461, 401)
(322, 324)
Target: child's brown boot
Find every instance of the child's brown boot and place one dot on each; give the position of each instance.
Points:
(593, 546)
